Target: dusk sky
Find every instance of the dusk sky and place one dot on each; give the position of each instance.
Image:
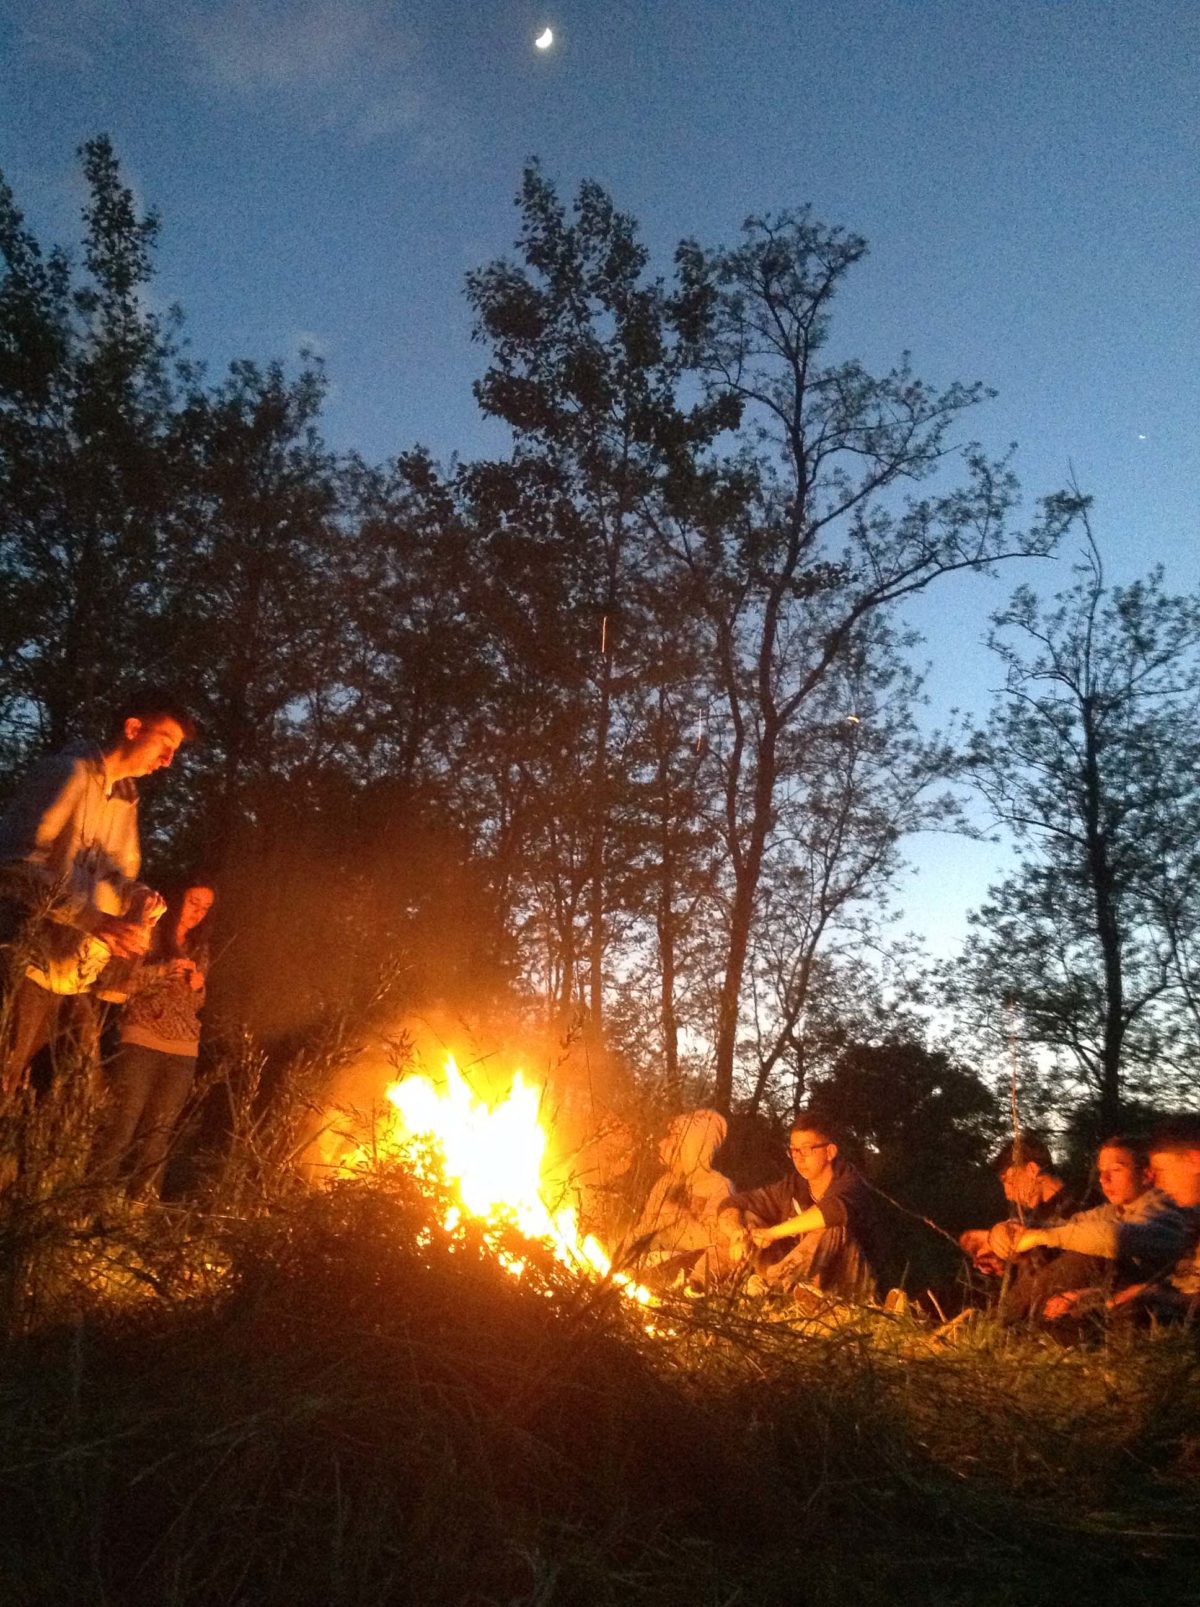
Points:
(328, 170)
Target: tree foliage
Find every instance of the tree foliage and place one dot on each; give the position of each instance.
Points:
(638, 677)
(1089, 760)
(86, 379)
(801, 539)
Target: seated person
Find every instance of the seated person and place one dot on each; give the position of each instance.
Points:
(1134, 1234)
(817, 1226)
(1030, 1182)
(1042, 1199)
(1175, 1166)
(677, 1231)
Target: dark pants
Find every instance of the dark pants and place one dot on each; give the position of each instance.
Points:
(1036, 1277)
(67, 1022)
(828, 1258)
(147, 1091)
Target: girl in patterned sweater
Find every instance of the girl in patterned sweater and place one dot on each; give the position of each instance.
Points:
(153, 1070)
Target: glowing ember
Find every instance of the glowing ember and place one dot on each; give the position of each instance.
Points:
(493, 1156)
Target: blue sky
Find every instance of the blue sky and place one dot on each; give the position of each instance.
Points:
(1026, 173)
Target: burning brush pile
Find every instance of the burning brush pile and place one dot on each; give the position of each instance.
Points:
(485, 1160)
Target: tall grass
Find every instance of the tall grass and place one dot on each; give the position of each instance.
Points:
(278, 1394)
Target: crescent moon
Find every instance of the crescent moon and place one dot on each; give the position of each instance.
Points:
(545, 39)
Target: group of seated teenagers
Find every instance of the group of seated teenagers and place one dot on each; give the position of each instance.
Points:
(818, 1230)
(1137, 1253)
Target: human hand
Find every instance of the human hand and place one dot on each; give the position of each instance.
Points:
(1126, 1296)
(738, 1244)
(762, 1237)
(128, 939)
(145, 905)
(975, 1243)
(1060, 1305)
(1002, 1239)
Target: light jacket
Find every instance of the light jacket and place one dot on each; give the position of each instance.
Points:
(69, 856)
(1150, 1232)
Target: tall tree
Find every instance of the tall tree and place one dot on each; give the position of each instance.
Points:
(416, 672)
(1088, 759)
(585, 371)
(258, 565)
(668, 858)
(862, 778)
(808, 532)
(87, 377)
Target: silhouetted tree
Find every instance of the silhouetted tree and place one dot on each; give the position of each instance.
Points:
(87, 379)
(585, 370)
(1089, 759)
(922, 1126)
(257, 571)
(803, 536)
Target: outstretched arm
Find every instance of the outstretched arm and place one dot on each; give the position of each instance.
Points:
(812, 1220)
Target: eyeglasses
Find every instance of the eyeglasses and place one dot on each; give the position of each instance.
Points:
(806, 1149)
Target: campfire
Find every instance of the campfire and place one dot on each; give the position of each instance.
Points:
(492, 1157)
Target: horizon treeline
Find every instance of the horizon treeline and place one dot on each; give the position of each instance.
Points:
(621, 726)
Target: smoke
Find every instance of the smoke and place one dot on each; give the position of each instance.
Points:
(363, 917)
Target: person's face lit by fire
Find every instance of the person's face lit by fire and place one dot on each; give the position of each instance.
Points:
(1121, 1178)
(148, 745)
(1022, 1185)
(812, 1154)
(1177, 1174)
(194, 906)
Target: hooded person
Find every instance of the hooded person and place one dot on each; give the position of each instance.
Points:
(677, 1231)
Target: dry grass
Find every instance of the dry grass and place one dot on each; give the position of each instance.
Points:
(282, 1395)
(316, 1405)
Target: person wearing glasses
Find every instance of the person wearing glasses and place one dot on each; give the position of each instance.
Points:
(815, 1229)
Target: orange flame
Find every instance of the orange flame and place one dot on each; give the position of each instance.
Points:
(493, 1156)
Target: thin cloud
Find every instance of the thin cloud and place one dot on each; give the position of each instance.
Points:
(345, 65)
(274, 45)
(71, 34)
(348, 65)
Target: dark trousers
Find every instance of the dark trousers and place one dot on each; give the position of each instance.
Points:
(67, 1022)
(147, 1091)
(828, 1258)
(1037, 1276)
